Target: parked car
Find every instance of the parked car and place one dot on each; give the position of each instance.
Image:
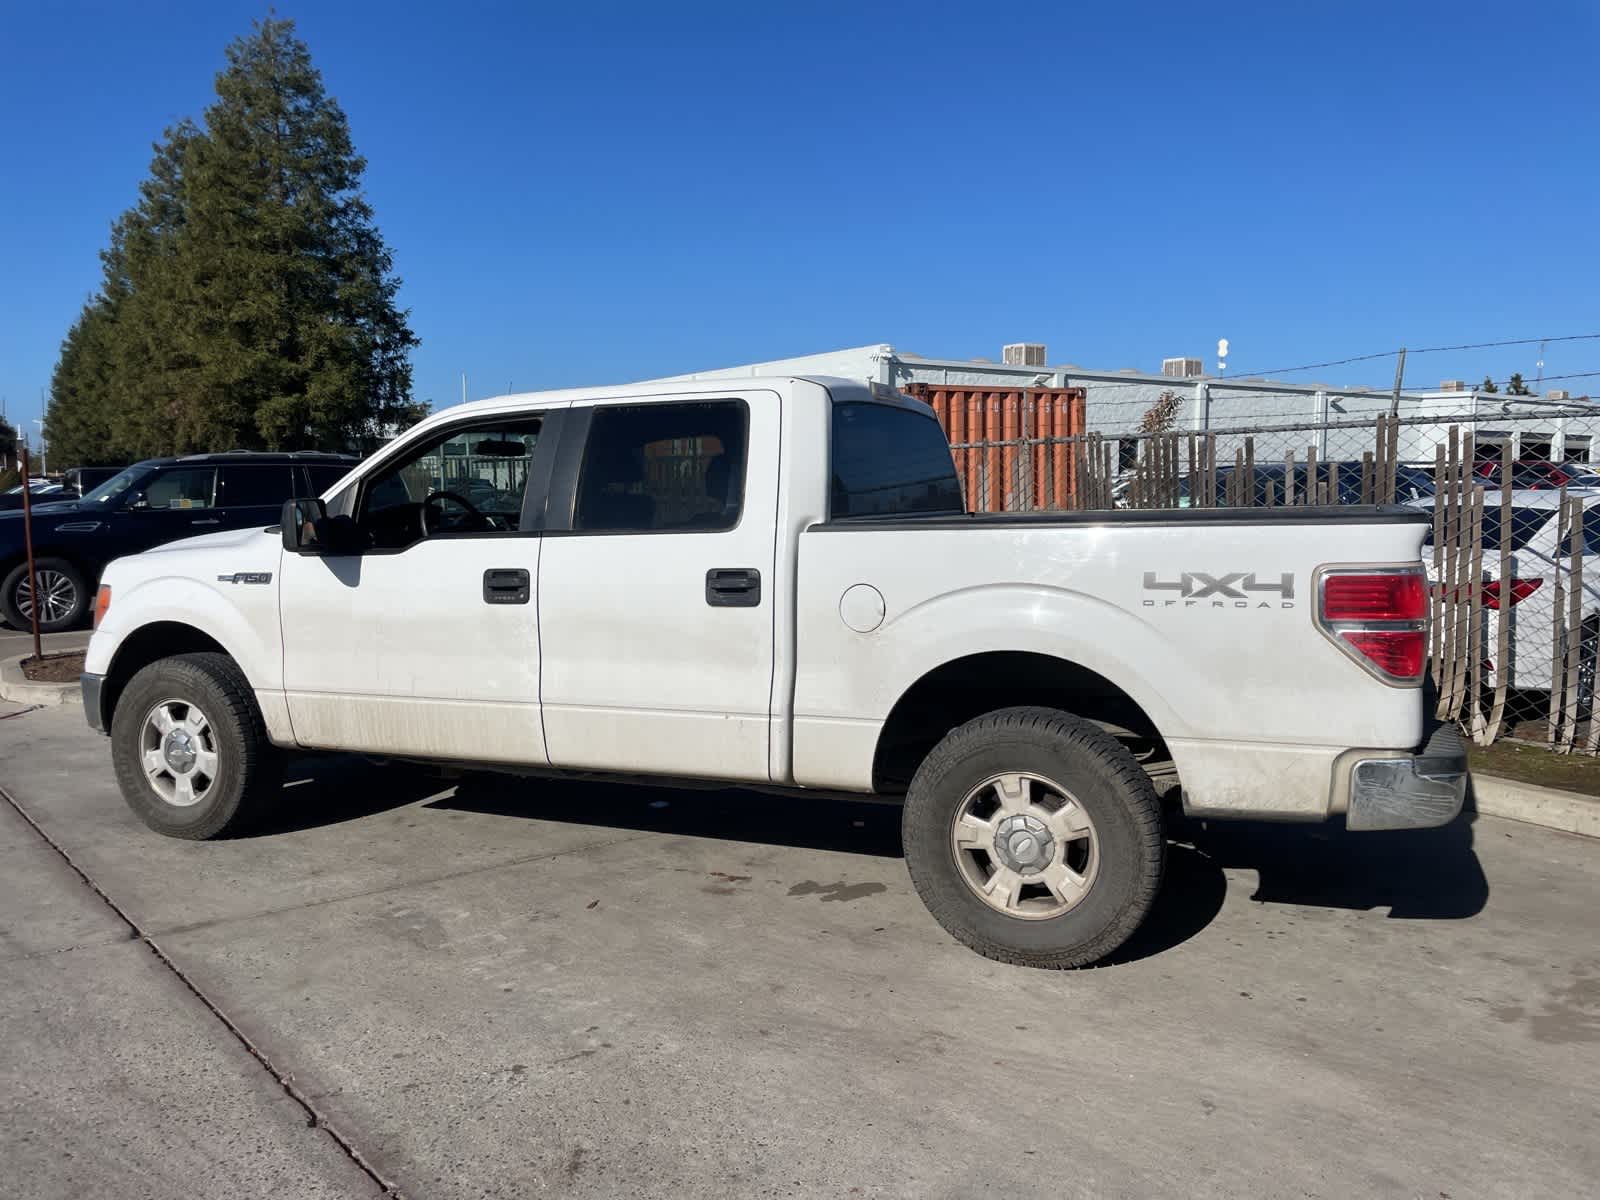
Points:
(774, 582)
(1412, 482)
(1525, 601)
(1537, 475)
(142, 506)
(39, 490)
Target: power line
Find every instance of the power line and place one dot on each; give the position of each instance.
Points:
(1341, 362)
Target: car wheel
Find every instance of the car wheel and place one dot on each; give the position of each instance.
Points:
(63, 595)
(1035, 838)
(190, 749)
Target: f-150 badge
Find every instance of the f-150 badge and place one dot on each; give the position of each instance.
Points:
(246, 577)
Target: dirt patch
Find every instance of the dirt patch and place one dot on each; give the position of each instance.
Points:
(54, 668)
(1535, 764)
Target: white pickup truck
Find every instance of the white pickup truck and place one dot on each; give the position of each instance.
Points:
(775, 583)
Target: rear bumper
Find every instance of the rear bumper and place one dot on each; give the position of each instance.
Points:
(1418, 791)
(91, 685)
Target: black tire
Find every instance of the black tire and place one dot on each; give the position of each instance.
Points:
(61, 574)
(249, 769)
(1105, 781)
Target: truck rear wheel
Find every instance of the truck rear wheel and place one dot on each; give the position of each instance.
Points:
(1035, 838)
(190, 749)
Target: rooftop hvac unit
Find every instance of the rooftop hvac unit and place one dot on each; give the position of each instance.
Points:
(1453, 385)
(1182, 368)
(1023, 354)
(1558, 394)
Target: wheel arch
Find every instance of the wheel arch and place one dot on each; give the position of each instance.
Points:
(963, 688)
(150, 643)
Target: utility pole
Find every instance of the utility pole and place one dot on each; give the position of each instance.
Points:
(27, 539)
(1399, 378)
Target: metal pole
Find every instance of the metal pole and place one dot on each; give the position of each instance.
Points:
(1399, 377)
(27, 539)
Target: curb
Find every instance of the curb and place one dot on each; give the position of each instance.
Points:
(19, 689)
(1569, 812)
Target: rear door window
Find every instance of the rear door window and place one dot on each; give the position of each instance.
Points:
(254, 485)
(890, 461)
(660, 468)
(322, 476)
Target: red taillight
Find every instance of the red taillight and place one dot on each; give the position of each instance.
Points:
(1397, 652)
(102, 604)
(1379, 617)
(1388, 596)
(1521, 589)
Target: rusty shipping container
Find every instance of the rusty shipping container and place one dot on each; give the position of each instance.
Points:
(1009, 443)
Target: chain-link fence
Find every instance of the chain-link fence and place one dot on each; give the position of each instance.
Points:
(1516, 627)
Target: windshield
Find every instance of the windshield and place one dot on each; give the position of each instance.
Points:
(114, 487)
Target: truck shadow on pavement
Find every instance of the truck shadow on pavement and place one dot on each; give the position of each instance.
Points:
(1417, 875)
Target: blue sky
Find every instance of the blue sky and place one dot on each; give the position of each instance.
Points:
(607, 191)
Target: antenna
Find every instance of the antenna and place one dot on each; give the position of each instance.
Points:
(1222, 355)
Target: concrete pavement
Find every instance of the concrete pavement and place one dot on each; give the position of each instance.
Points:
(14, 642)
(504, 987)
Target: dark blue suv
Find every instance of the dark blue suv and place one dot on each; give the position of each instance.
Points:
(146, 505)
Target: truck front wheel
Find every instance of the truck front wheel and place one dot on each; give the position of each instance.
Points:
(190, 749)
(1035, 838)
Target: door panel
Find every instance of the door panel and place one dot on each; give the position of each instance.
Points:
(401, 653)
(658, 645)
(427, 643)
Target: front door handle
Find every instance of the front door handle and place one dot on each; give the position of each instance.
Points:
(506, 585)
(206, 521)
(733, 587)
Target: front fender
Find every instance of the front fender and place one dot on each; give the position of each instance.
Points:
(244, 624)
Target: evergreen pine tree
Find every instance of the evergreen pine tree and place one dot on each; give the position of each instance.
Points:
(248, 298)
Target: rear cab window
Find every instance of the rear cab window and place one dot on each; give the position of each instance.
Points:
(889, 460)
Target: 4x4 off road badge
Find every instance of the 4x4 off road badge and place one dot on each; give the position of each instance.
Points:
(1236, 589)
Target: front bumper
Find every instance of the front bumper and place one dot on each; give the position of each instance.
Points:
(91, 685)
(1421, 791)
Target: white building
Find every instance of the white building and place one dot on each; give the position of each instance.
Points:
(1280, 417)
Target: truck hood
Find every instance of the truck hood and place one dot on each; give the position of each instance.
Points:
(205, 558)
(227, 539)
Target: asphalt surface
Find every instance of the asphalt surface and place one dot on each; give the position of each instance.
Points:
(513, 988)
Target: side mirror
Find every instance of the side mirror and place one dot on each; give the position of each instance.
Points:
(308, 529)
(137, 501)
(300, 521)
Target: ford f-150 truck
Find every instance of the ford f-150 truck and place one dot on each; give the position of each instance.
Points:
(776, 583)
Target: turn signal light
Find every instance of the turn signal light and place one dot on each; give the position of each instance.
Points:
(1379, 617)
(102, 604)
(1519, 591)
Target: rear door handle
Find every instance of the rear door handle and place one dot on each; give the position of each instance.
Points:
(506, 585)
(733, 587)
(206, 521)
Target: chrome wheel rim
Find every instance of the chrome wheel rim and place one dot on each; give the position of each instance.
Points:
(1025, 846)
(57, 595)
(178, 750)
